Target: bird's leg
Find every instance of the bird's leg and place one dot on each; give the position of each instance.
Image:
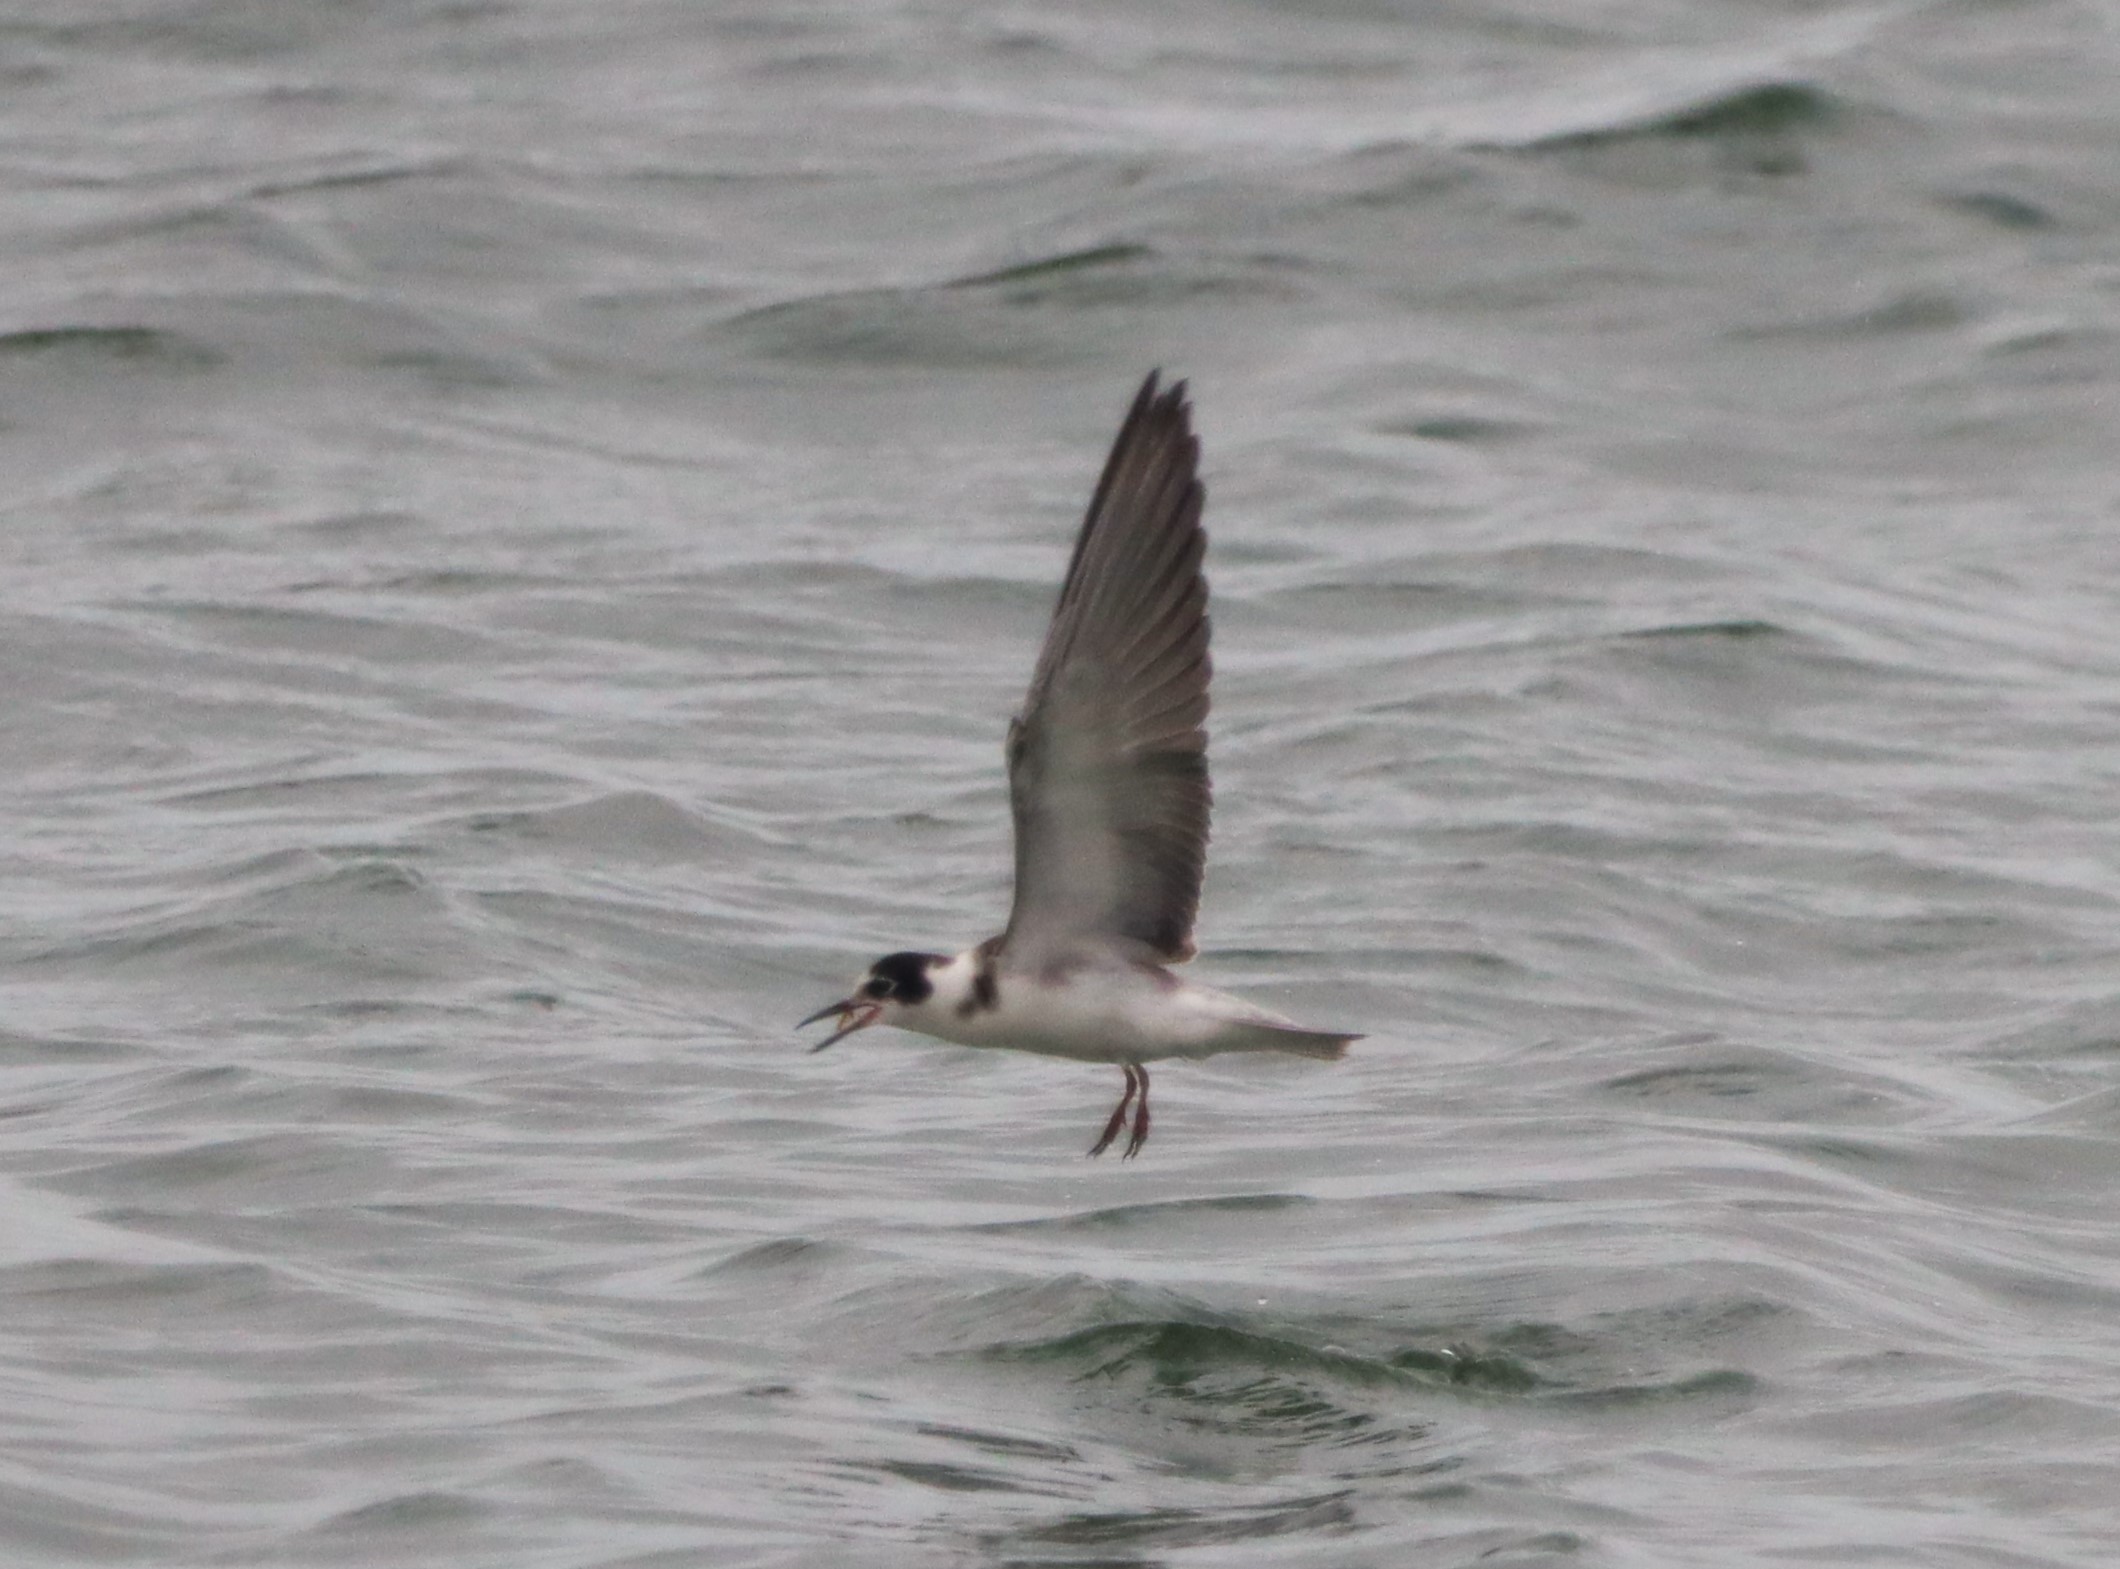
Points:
(1111, 1128)
(1133, 1145)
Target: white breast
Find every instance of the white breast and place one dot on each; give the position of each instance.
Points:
(1106, 1013)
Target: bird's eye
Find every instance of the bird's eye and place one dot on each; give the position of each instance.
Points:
(878, 987)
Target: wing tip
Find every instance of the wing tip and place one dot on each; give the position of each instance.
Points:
(1174, 401)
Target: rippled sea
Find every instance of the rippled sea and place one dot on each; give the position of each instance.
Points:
(522, 524)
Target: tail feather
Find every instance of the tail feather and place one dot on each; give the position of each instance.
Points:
(1324, 1045)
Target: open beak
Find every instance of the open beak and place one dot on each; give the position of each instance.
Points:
(862, 1015)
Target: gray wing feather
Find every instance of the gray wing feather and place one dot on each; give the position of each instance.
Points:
(1107, 761)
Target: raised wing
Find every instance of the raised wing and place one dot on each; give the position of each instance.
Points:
(1107, 763)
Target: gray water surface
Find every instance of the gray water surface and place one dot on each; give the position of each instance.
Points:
(521, 527)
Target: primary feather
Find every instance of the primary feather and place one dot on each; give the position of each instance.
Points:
(1107, 761)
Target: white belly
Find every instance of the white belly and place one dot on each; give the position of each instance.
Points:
(1099, 1015)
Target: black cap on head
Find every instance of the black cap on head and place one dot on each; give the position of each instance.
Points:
(902, 977)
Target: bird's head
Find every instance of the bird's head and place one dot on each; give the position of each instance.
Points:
(889, 988)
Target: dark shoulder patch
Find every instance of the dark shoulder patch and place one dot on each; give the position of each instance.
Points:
(986, 986)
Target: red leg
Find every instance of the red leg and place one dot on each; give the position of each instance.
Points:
(1133, 1145)
(1111, 1128)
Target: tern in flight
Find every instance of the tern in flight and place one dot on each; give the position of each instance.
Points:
(1107, 774)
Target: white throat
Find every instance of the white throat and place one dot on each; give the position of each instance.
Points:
(960, 1005)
